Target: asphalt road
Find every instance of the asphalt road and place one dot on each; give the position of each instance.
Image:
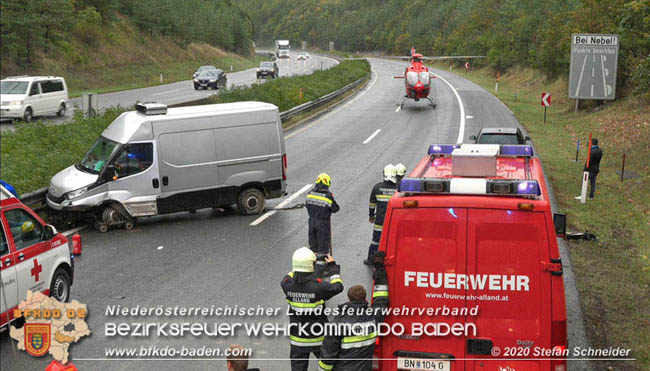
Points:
(183, 91)
(219, 259)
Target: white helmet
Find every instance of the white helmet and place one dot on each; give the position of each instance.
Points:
(390, 173)
(303, 260)
(400, 170)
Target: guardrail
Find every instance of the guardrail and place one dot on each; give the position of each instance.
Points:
(284, 116)
(36, 200)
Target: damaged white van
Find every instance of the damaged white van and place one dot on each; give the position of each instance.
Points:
(157, 160)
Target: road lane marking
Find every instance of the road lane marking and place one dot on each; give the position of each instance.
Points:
(74, 230)
(281, 205)
(398, 108)
(372, 136)
(461, 130)
(359, 95)
(469, 117)
(165, 92)
(602, 66)
(582, 71)
(592, 90)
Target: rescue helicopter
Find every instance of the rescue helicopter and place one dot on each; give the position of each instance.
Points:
(418, 78)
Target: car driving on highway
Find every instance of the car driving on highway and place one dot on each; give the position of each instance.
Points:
(210, 79)
(203, 68)
(500, 136)
(268, 69)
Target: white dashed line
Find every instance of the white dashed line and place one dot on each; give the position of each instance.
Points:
(469, 117)
(281, 205)
(398, 108)
(372, 136)
(165, 92)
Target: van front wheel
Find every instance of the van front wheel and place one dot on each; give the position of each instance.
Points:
(250, 201)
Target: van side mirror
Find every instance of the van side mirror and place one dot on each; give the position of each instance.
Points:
(527, 137)
(49, 232)
(109, 173)
(559, 220)
(472, 137)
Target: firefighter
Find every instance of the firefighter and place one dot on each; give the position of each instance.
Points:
(306, 294)
(400, 170)
(352, 346)
(320, 206)
(379, 197)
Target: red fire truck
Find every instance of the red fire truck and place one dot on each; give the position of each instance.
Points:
(474, 270)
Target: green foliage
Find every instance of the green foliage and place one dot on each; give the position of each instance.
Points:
(285, 92)
(32, 154)
(509, 32)
(30, 29)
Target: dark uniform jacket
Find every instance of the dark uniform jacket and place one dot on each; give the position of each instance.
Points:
(353, 351)
(379, 197)
(594, 160)
(321, 204)
(306, 294)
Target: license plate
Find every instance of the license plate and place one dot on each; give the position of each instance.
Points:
(204, 84)
(423, 364)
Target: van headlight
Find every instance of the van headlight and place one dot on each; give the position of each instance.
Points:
(213, 80)
(77, 193)
(15, 103)
(196, 80)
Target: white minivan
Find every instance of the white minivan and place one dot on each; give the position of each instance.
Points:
(25, 97)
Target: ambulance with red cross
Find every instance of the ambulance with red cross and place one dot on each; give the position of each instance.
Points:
(33, 256)
(470, 243)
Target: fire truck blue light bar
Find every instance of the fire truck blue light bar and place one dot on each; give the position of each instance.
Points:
(410, 185)
(442, 149)
(516, 150)
(528, 187)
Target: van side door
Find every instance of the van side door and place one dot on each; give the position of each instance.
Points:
(506, 250)
(33, 255)
(136, 182)
(8, 282)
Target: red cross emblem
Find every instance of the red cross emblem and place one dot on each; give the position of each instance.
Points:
(38, 268)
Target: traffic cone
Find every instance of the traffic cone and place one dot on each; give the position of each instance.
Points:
(76, 244)
(58, 366)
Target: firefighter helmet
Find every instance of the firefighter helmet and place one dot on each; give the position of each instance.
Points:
(400, 170)
(303, 260)
(324, 178)
(390, 173)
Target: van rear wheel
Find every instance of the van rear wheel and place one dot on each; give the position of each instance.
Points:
(250, 201)
(61, 111)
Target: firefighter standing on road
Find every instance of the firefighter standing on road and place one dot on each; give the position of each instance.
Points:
(352, 348)
(320, 206)
(379, 197)
(306, 293)
(400, 171)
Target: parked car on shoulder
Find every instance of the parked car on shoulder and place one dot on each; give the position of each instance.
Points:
(207, 79)
(268, 69)
(25, 97)
(500, 136)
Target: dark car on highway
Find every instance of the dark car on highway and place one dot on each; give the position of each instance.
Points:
(203, 68)
(500, 136)
(207, 79)
(267, 69)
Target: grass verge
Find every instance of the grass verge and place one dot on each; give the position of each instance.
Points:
(613, 273)
(34, 152)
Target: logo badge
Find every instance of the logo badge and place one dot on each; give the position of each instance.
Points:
(37, 338)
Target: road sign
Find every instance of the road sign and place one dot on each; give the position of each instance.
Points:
(546, 99)
(594, 59)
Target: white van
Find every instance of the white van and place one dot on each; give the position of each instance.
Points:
(25, 97)
(156, 161)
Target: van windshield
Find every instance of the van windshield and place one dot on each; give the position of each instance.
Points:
(98, 156)
(13, 87)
